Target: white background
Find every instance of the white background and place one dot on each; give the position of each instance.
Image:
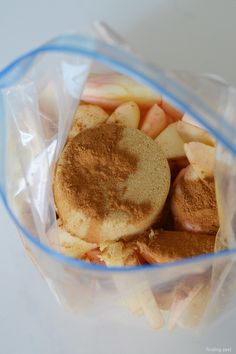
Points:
(196, 35)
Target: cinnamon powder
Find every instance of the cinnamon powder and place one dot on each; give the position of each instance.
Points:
(196, 203)
(94, 172)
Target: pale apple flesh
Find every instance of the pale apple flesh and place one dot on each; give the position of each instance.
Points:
(93, 256)
(69, 245)
(154, 122)
(171, 142)
(126, 114)
(190, 174)
(48, 101)
(201, 158)
(185, 292)
(190, 132)
(189, 119)
(111, 90)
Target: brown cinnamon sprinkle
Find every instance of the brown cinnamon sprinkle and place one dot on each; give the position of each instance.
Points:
(94, 169)
(200, 194)
(196, 203)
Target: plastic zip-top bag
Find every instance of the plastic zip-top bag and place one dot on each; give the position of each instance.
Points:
(40, 93)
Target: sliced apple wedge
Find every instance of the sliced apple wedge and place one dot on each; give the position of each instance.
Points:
(48, 101)
(93, 256)
(109, 90)
(87, 116)
(154, 122)
(171, 142)
(71, 246)
(172, 111)
(189, 119)
(169, 246)
(189, 132)
(127, 114)
(190, 174)
(201, 158)
(185, 292)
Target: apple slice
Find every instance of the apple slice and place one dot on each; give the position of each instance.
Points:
(201, 158)
(109, 90)
(73, 246)
(87, 116)
(69, 245)
(127, 114)
(190, 174)
(149, 305)
(172, 111)
(194, 311)
(185, 292)
(171, 143)
(93, 256)
(154, 122)
(171, 246)
(189, 119)
(48, 101)
(189, 132)
(119, 253)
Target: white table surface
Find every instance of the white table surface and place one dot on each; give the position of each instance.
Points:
(197, 35)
